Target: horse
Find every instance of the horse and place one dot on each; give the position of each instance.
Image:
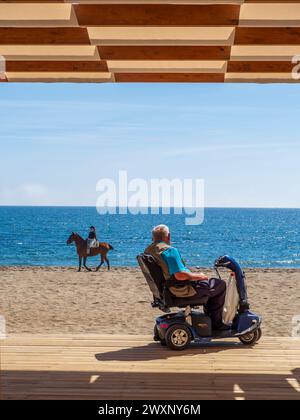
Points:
(81, 246)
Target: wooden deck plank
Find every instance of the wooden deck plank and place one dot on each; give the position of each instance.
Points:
(118, 367)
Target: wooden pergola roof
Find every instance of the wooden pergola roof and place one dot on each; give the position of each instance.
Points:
(149, 41)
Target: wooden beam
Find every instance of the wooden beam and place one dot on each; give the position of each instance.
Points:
(264, 77)
(267, 36)
(169, 77)
(156, 35)
(164, 52)
(272, 14)
(260, 67)
(156, 14)
(56, 66)
(264, 52)
(49, 52)
(84, 77)
(168, 66)
(41, 14)
(46, 36)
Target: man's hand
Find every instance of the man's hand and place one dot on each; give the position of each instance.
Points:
(186, 275)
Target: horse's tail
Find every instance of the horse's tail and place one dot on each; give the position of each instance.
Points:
(110, 247)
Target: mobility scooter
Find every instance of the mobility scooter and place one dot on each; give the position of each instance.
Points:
(177, 330)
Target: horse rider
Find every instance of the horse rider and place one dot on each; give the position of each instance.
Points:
(92, 239)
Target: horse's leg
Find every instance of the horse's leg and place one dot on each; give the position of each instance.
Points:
(107, 262)
(79, 267)
(84, 263)
(102, 261)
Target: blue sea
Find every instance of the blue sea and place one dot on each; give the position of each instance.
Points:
(256, 237)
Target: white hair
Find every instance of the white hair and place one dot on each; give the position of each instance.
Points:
(160, 232)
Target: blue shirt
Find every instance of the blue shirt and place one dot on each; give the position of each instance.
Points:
(173, 260)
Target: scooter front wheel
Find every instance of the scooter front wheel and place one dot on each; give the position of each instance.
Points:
(250, 338)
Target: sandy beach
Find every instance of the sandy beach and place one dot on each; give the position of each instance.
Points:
(45, 300)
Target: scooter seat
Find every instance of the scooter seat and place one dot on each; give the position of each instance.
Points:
(181, 302)
(163, 298)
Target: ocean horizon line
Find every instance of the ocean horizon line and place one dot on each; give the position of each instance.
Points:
(116, 267)
(150, 207)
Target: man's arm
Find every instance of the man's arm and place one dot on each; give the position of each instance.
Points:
(186, 275)
(177, 268)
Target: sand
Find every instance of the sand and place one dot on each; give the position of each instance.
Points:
(59, 300)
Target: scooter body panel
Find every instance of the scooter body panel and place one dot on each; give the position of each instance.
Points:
(200, 325)
(247, 321)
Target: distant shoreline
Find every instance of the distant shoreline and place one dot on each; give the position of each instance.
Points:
(63, 206)
(128, 267)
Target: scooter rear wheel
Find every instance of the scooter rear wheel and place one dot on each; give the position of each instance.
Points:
(178, 337)
(250, 338)
(259, 334)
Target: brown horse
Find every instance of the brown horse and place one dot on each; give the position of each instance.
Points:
(81, 246)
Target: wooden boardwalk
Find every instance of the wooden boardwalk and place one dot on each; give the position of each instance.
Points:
(133, 367)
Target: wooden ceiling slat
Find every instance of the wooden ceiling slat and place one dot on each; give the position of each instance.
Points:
(166, 66)
(33, 1)
(164, 52)
(56, 66)
(49, 52)
(161, 35)
(264, 52)
(257, 77)
(260, 66)
(47, 36)
(41, 14)
(198, 2)
(156, 15)
(170, 77)
(267, 36)
(57, 76)
(271, 1)
(267, 14)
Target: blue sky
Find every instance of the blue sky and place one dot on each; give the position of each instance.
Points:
(58, 140)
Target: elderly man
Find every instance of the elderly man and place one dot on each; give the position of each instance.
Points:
(174, 268)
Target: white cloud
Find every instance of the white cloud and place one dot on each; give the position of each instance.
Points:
(224, 147)
(33, 191)
(25, 194)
